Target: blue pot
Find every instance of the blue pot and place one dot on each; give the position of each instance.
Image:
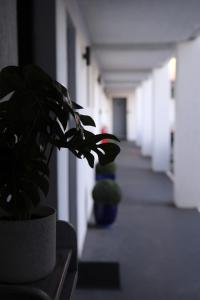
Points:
(105, 214)
(105, 176)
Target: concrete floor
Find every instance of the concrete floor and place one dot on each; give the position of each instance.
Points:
(157, 245)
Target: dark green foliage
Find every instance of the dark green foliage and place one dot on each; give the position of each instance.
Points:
(106, 191)
(34, 114)
(108, 169)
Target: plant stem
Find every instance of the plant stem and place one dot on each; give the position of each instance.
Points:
(51, 152)
(52, 146)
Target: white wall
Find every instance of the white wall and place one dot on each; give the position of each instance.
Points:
(90, 95)
(85, 175)
(96, 103)
(187, 139)
(106, 118)
(172, 113)
(131, 117)
(84, 94)
(138, 115)
(161, 119)
(61, 75)
(147, 95)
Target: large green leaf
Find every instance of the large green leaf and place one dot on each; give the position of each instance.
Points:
(40, 166)
(30, 191)
(40, 181)
(23, 174)
(76, 105)
(84, 146)
(102, 136)
(61, 89)
(87, 120)
(90, 159)
(110, 151)
(10, 80)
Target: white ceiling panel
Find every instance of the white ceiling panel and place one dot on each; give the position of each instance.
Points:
(125, 76)
(131, 60)
(140, 21)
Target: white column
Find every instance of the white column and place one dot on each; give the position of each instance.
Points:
(187, 131)
(131, 121)
(147, 118)
(138, 116)
(61, 76)
(161, 120)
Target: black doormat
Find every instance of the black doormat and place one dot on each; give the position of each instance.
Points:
(98, 275)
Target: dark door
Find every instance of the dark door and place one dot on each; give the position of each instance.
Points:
(71, 62)
(119, 117)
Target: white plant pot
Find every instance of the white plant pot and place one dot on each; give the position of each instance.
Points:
(28, 248)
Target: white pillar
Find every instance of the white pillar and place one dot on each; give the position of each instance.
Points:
(161, 120)
(147, 118)
(187, 131)
(138, 116)
(61, 76)
(131, 116)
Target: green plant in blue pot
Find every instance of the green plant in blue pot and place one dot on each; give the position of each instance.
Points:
(34, 114)
(107, 171)
(106, 195)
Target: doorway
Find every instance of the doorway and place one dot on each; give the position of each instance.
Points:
(119, 118)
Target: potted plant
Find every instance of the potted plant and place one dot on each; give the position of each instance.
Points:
(34, 114)
(106, 195)
(107, 171)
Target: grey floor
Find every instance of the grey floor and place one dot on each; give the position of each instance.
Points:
(157, 245)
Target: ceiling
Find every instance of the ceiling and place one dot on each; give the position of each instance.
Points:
(132, 37)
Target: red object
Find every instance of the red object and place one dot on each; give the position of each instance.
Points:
(103, 130)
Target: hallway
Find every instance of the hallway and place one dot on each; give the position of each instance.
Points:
(157, 245)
